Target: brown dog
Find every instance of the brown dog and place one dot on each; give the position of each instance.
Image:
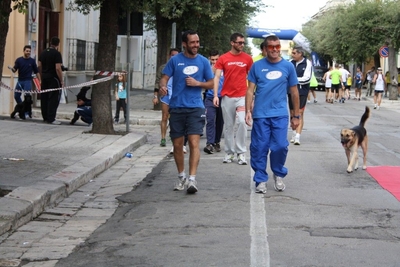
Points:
(351, 139)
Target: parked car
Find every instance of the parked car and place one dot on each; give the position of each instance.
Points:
(319, 74)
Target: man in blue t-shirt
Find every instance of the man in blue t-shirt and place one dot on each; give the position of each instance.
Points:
(273, 76)
(191, 73)
(25, 66)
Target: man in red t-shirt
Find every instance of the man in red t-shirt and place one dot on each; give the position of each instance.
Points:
(235, 64)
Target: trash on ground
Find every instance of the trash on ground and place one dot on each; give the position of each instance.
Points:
(13, 159)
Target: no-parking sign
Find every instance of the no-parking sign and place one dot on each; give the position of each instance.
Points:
(384, 51)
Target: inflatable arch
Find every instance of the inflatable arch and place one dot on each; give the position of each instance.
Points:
(294, 35)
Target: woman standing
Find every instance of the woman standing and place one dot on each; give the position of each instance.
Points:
(380, 87)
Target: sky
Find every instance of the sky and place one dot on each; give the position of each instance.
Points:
(287, 14)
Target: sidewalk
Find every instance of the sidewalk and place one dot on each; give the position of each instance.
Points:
(41, 163)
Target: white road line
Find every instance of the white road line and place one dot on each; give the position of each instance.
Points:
(259, 249)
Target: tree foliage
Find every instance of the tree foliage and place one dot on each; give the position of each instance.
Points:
(355, 32)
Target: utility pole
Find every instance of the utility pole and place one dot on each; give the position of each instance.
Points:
(128, 63)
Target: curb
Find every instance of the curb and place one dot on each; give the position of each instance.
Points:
(26, 203)
(133, 120)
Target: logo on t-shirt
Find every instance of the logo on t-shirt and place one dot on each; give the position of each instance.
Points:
(239, 64)
(273, 75)
(189, 70)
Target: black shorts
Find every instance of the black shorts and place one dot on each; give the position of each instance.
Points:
(336, 87)
(186, 121)
(303, 102)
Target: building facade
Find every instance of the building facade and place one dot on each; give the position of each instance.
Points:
(79, 35)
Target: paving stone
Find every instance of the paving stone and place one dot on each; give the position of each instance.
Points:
(50, 253)
(51, 263)
(9, 263)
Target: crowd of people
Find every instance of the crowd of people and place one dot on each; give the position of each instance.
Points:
(225, 93)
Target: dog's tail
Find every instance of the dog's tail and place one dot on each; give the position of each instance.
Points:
(365, 116)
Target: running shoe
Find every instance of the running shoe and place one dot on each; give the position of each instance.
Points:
(261, 188)
(279, 185)
(180, 185)
(209, 149)
(163, 142)
(192, 187)
(228, 158)
(241, 159)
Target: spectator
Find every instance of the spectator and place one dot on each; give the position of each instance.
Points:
(84, 107)
(50, 62)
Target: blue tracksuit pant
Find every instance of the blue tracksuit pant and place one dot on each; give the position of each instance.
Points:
(269, 136)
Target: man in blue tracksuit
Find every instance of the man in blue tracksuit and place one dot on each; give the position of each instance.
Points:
(273, 76)
(304, 70)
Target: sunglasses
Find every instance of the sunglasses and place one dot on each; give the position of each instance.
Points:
(240, 43)
(272, 47)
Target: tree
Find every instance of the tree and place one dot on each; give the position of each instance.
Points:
(101, 97)
(355, 32)
(214, 20)
(5, 11)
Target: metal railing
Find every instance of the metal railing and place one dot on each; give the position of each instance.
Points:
(81, 54)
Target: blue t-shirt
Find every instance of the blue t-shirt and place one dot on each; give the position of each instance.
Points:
(358, 77)
(210, 92)
(121, 90)
(180, 67)
(272, 81)
(25, 67)
(165, 99)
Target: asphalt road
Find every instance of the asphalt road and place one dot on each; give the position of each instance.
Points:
(325, 217)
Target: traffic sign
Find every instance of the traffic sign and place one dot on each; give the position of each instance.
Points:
(384, 51)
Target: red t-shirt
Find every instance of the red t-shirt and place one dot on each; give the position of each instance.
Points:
(235, 68)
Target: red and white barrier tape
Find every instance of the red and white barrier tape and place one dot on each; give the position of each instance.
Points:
(5, 86)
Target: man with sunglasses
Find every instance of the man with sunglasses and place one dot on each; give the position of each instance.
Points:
(304, 70)
(235, 64)
(273, 76)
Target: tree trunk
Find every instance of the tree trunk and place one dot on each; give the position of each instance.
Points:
(5, 10)
(101, 97)
(164, 27)
(393, 91)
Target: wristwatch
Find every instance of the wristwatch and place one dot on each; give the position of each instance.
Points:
(297, 117)
(155, 96)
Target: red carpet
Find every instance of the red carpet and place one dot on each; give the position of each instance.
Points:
(388, 177)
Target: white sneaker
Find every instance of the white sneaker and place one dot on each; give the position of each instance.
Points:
(228, 158)
(192, 187)
(241, 159)
(261, 188)
(279, 185)
(171, 151)
(293, 137)
(184, 149)
(55, 122)
(181, 184)
(297, 140)
(378, 107)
